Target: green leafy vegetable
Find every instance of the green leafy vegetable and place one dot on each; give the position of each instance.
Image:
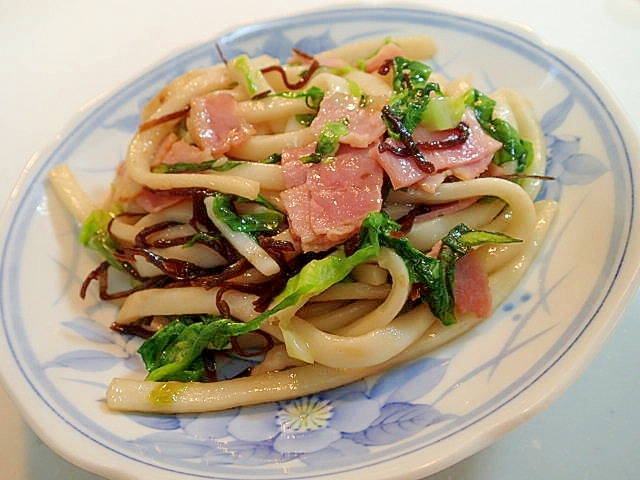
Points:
(94, 234)
(305, 119)
(443, 113)
(435, 273)
(318, 275)
(329, 138)
(251, 223)
(328, 141)
(313, 96)
(252, 79)
(174, 352)
(411, 89)
(273, 158)
(514, 148)
(203, 237)
(181, 167)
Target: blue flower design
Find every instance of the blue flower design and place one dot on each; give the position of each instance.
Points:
(567, 165)
(339, 422)
(307, 424)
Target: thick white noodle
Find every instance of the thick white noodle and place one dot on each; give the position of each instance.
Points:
(200, 255)
(270, 109)
(416, 47)
(424, 235)
(187, 300)
(145, 143)
(353, 291)
(275, 359)
(378, 331)
(259, 147)
(370, 274)
(245, 245)
(387, 310)
(173, 397)
(70, 192)
(371, 348)
(337, 318)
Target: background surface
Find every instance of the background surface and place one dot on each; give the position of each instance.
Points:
(58, 57)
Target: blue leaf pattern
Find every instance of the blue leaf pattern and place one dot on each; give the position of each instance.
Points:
(396, 422)
(93, 360)
(566, 164)
(89, 330)
(85, 360)
(278, 46)
(313, 45)
(164, 422)
(409, 383)
(582, 169)
(555, 117)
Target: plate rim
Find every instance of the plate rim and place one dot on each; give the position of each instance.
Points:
(621, 302)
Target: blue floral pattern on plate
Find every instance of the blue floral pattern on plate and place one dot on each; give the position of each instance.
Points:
(389, 421)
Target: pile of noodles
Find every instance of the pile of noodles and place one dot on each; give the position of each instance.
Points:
(350, 330)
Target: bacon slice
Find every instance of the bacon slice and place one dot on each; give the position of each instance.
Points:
(172, 150)
(364, 123)
(386, 52)
(215, 124)
(446, 209)
(465, 161)
(294, 171)
(302, 58)
(330, 204)
(154, 202)
(471, 291)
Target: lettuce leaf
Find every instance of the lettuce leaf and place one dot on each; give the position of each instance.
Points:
(251, 223)
(94, 234)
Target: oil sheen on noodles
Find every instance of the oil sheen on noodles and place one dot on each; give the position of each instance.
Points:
(338, 215)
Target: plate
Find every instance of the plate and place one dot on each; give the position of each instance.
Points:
(57, 354)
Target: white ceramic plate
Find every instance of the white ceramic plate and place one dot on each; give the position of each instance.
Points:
(57, 354)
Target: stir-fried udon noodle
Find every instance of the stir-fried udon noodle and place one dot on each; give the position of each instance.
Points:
(328, 218)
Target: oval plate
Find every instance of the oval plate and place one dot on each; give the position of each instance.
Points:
(58, 355)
